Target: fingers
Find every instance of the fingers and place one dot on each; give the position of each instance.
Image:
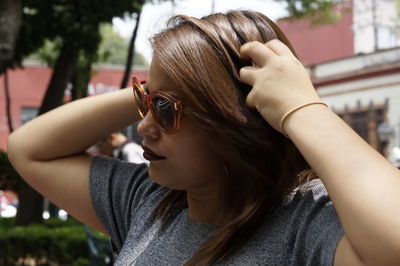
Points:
(257, 52)
(278, 47)
(250, 99)
(246, 75)
(261, 55)
(249, 76)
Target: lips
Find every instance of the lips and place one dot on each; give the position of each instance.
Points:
(150, 155)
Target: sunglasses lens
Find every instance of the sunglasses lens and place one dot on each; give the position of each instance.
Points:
(139, 100)
(165, 112)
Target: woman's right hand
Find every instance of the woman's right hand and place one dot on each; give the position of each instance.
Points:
(280, 82)
(49, 151)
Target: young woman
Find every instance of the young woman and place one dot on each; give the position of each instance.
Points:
(232, 127)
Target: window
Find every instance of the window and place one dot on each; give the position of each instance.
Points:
(28, 113)
(386, 37)
(364, 120)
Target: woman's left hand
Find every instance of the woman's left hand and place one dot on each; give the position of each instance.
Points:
(280, 82)
(363, 185)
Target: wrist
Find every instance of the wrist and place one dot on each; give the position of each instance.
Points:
(307, 115)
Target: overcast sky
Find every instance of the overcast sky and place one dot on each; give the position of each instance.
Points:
(154, 17)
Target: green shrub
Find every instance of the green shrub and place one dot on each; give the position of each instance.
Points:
(54, 222)
(54, 243)
(7, 222)
(81, 262)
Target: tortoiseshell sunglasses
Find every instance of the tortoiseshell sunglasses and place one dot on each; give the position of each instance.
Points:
(167, 111)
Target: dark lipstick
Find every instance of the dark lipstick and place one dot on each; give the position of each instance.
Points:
(150, 155)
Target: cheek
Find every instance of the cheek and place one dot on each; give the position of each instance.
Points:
(188, 168)
(193, 154)
(197, 166)
(190, 162)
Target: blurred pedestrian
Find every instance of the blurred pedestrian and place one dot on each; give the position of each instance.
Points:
(118, 146)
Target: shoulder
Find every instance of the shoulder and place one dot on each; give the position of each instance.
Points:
(312, 226)
(122, 178)
(121, 191)
(304, 230)
(291, 235)
(310, 191)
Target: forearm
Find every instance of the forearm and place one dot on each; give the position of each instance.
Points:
(364, 186)
(72, 128)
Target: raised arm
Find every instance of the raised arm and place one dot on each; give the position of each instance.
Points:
(363, 185)
(49, 151)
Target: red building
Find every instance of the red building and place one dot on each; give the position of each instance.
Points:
(321, 42)
(28, 85)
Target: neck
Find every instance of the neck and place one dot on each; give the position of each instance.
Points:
(203, 206)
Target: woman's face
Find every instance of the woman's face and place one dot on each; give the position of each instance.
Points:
(182, 160)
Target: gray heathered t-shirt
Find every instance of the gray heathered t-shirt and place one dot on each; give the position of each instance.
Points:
(304, 231)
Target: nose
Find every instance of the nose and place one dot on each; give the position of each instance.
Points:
(148, 128)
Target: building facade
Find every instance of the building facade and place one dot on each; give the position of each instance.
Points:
(28, 85)
(365, 91)
(354, 64)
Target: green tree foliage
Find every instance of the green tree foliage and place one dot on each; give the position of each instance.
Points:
(113, 48)
(74, 22)
(10, 22)
(48, 52)
(318, 11)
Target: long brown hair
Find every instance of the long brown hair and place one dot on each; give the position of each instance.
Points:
(261, 166)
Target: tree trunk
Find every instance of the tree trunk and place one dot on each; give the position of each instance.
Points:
(8, 102)
(10, 23)
(131, 51)
(30, 207)
(62, 72)
(81, 77)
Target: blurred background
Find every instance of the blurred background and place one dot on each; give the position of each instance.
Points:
(56, 51)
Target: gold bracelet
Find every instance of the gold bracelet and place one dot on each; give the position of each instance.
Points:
(291, 111)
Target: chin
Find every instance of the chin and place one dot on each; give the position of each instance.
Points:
(165, 180)
(158, 178)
